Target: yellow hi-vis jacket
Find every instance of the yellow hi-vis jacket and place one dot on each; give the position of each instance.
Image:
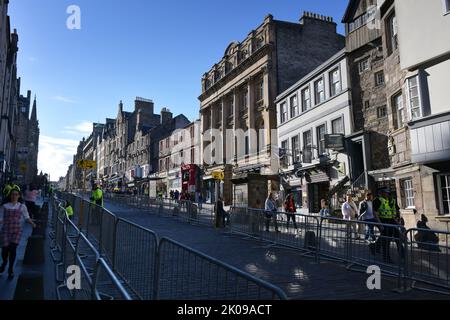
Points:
(387, 210)
(69, 211)
(97, 197)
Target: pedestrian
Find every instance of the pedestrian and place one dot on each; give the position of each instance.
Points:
(222, 214)
(171, 194)
(30, 200)
(177, 195)
(11, 215)
(388, 211)
(290, 209)
(350, 212)
(425, 238)
(324, 211)
(69, 210)
(97, 196)
(271, 212)
(368, 215)
(200, 201)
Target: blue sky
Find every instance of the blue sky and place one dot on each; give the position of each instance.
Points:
(153, 49)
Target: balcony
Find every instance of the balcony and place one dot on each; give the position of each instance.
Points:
(430, 139)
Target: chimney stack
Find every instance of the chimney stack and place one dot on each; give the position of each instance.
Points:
(315, 17)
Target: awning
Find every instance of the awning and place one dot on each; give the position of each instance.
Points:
(249, 168)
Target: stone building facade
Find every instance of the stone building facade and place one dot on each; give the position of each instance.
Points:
(400, 102)
(123, 147)
(237, 101)
(9, 94)
(26, 141)
(364, 46)
(179, 149)
(421, 149)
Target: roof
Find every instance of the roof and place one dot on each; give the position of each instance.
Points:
(330, 62)
(350, 11)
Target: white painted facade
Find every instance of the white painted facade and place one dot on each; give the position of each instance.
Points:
(331, 108)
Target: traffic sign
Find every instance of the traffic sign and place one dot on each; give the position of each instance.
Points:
(218, 175)
(87, 164)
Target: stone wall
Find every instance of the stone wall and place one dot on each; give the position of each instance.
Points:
(302, 48)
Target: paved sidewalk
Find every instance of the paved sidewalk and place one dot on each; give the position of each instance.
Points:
(8, 287)
(300, 277)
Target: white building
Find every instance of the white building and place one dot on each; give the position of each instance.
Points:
(316, 106)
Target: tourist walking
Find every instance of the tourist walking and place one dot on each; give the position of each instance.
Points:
(368, 214)
(290, 209)
(12, 214)
(271, 212)
(350, 212)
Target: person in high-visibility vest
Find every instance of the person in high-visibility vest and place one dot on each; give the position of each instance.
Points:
(388, 211)
(97, 196)
(69, 210)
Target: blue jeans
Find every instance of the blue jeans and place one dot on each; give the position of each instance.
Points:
(370, 229)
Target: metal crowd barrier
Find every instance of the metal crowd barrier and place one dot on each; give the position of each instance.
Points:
(428, 258)
(98, 282)
(346, 241)
(142, 266)
(395, 251)
(329, 238)
(300, 234)
(135, 258)
(183, 210)
(187, 274)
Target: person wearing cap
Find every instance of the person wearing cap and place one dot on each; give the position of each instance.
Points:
(388, 213)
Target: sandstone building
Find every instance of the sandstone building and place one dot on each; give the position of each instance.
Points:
(238, 99)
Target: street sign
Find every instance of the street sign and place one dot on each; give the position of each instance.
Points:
(334, 142)
(87, 164)
(218, 175)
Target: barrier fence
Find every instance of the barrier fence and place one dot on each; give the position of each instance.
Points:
(396, 250)
(72, 248)
(187, 274)
(183, 210)
(121, 260)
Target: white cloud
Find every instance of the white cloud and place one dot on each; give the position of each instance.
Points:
(55, 155)
(63, 99)
(82, 128)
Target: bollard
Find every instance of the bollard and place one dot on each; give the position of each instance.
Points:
(34, 253)
(30, 286)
